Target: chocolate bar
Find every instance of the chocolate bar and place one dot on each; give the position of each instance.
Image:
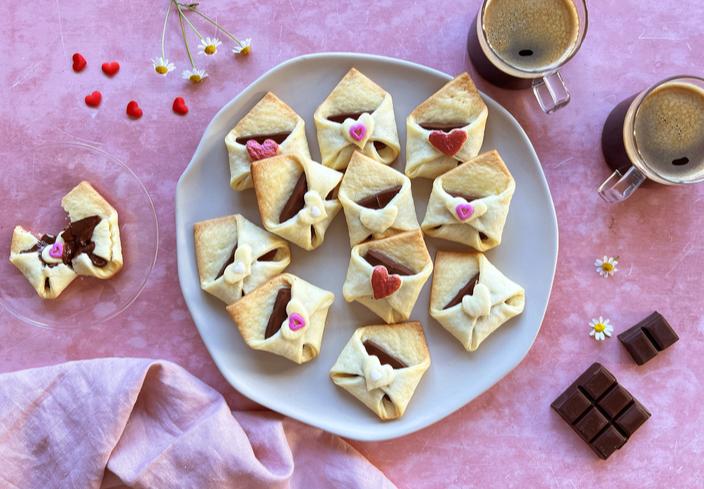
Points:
(375, 258)
(380, 199)
(384, 358)
(600, 410)
(650, 336)
(278, 312)
(296, 201)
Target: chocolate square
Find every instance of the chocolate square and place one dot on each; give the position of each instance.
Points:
(615, 401)
(591, 424)
(608, 442)
(573, 406)
(650, 336)
(639, 346)
(632, 418)
(598, 382)
(660, 332)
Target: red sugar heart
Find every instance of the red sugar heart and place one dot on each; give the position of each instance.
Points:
(180, 106)
(133, 110)
(111, 68)
(79, 62)
(384, 284)
(448, 144)
(93, 100)
(258, 151)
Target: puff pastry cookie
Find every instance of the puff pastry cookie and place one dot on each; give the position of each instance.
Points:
(235, 256)
(296, 197)
(377, 200)
(471, 298)
(357, 115)
(469, 204)
(269, 129)
(285, 316)
(90, 245)
(446, 129)
(387, 275)
(382, 366)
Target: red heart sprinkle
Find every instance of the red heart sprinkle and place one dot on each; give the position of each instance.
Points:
(94, 99)
(180, 106)
(384, 284)
(258, 151)
(133, 110)
(449, 144)
(79, 62)
(111, 68)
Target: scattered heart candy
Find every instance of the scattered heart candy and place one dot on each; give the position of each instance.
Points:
(94, 99)
(358, 131)
(133, 110)
(180, 106)
(448, 144)
(296, 322)
(79, 62)
(111, 68)
(383, 284)
(57, 250)
(464, 211)
(258, 151)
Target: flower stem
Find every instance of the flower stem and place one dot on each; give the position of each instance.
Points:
(179, 7)
(163, 31)
(183, 33)
(193, 8)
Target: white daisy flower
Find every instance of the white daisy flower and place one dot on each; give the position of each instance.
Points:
(163, 66)
(195, 75)
(243, 47)
(208, 46)
(606, 266)
(600, 328)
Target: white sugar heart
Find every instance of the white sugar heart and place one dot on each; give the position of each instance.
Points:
(378, 220)
(358, 131)
(479, 303)
(314, 210)
(241, 266)
(377, 375)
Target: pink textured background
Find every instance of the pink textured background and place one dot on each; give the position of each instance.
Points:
(508, 437)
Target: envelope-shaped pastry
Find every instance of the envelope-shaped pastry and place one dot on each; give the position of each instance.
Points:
(446, 129)
(296, 197)
(235, 256)
(471, 298)
(269, 129)
(377, 200)
(91, 241)
(40, 261)
(387, 275)
(382, 366)
(358, 115)
(469, 204)
(285, 316)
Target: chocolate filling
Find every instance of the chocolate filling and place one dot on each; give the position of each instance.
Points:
(78, 239)
(380, 199)
(47, 284)
(468, 289)
(483, 236)
(384, 358)
(229, 262)
(340, 118)
(268, 256)
(279, 138)
(379, 146)
(296, 201)
(278, 312)
(430, 126)
(375, 258)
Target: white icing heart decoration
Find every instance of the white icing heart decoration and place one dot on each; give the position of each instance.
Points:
(479, 303)
(378, 220)
(377, 375)
(241, 267)
(314, 210)
(296, 322)
(457, 204)
(358, 131)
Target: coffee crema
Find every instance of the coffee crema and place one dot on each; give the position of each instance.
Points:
(531, 35)
(669, 130)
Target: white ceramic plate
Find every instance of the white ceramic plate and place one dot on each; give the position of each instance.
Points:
(527, 255)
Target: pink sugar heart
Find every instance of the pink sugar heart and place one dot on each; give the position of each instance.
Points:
(358, 131)
(57, 250)
(296, 322)
(464, 211)
(258, 151)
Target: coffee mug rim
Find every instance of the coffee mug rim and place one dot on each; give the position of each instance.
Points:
(533, 74)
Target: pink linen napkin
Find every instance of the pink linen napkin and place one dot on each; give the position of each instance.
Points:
(154, 425)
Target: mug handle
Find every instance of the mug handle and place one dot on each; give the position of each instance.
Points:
(619, 186)
(551, 92)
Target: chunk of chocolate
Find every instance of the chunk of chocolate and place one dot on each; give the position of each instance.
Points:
(448, 127)
(467, 289)
(229, 262)
(384, 358)
(278, 312)
(268, 256)
(600, 410)
(380, 199)
(78, 238)
(650, 336)
(296, 201)
(278, 138)
(376, 258)
(340, 118)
